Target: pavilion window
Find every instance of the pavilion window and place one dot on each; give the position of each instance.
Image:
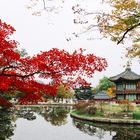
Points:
(131, 97)
(138, 96)
(120, 97)
(119, 86)
(130, 86)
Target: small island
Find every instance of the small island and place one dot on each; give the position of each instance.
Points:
(123, 108)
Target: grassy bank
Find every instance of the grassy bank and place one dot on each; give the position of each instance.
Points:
(102, 119)
(107, 110)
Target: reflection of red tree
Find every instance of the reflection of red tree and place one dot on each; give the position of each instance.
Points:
(17, 73)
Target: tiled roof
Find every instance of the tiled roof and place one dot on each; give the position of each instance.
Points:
(127, 75)
(101, 96)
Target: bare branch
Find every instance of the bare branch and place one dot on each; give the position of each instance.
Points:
(44, 4)
(128, 30)
(18, 75)
(31, 74)
(9, 67)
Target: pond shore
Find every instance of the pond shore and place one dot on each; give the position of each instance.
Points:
(105, 120)
(45, 104)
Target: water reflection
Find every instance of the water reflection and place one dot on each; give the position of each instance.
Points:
(45, 118)
(56, 115)
(6, 124)
(118, 132)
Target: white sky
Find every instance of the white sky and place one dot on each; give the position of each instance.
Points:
(40, 33)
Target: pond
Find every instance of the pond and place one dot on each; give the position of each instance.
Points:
(55, 123)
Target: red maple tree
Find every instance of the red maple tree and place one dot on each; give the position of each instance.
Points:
(17, 73)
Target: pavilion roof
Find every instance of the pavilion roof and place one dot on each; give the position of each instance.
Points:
(126, 75)
(102, 95)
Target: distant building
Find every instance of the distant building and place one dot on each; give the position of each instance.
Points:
(102, 96)
(127, 85)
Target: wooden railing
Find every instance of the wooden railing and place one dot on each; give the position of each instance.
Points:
(127, 91)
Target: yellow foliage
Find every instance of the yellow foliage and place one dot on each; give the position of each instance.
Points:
(121, 23)
(134, 51)
(110, 92)
(125, 4)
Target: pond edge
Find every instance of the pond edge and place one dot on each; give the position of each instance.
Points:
(105, 120)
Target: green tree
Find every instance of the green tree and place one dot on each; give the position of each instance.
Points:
(83, 93)
(104, 84)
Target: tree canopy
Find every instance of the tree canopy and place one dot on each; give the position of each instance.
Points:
(64, 92)
(120, 22)
(18, 72)
(104, 84)
(83, 93)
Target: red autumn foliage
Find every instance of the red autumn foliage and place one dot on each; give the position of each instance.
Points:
(18, 73)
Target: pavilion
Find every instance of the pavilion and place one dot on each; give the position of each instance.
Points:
(127, 85)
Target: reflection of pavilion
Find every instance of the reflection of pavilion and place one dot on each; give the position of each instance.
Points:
(127, 85)
(117, 132)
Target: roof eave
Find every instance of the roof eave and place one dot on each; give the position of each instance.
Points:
(121, 78)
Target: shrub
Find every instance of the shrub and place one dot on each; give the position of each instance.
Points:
(136, 116)
(126, 105)
(91, 110)
(85, 107)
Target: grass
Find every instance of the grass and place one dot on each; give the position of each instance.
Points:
(112, 109)
(136, 116)
(98, 114)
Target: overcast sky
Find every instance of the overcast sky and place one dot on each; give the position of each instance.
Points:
(50, 30)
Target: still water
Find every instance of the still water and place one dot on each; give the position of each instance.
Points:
(55, 123)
